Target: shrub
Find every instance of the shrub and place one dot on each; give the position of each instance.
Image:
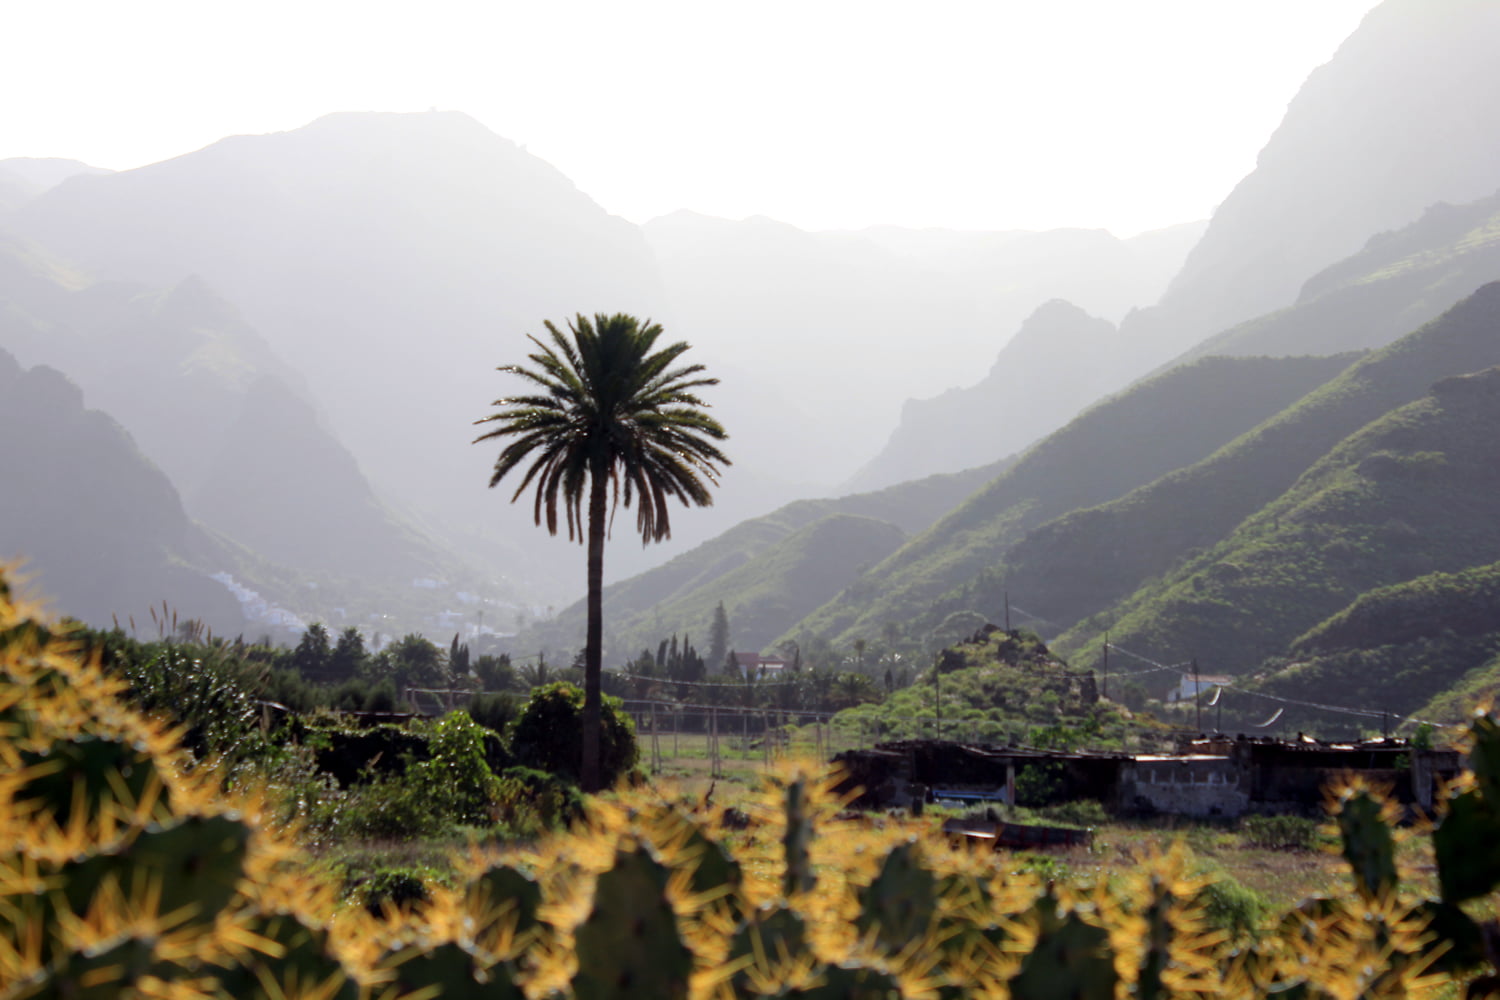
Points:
(546, 735)
(1231, 906)
(1082, 812)
(392, 807)
(1289, 833)
(400, 889)
(531, 802)
(456, 776)
(494, 711)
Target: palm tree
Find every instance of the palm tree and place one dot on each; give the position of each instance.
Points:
(612, 410)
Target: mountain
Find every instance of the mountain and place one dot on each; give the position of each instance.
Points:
(394, 261)
(834, 329)
(99, 529)
(1408, 495)
(1163, 424)
(1085, 561)
(774, 589)
(672, 596)
(1380, 476)
(1394, 647)
(40, 173)
(1405, 114)
(214, 407)
(1397, 282)
(1059, 361)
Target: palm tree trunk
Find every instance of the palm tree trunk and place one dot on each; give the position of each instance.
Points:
(593, 649)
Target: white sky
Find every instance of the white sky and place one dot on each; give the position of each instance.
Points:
(1007, 114)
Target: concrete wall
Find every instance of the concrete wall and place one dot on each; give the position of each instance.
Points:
(1201, 786)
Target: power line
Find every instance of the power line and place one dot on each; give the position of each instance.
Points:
(742, 686)
(1155, 667)
(1368, 713)
(1028, 614)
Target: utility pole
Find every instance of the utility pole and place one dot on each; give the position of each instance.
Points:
(1106, 666)
(937, 695)
(1197, 695)
(1007, 611)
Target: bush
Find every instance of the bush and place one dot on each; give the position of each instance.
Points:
(530, 802)
(1082, 812)
(1284, 833)
(393, 807)
(494, 711)
(456, 776)
(440, 779)
(395, 888)
(1233, 907)
(546, 735)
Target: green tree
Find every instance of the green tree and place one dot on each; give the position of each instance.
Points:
(542, 735)
(413, 661)
(495, 673)
(718, 635)
(612, 410)
(348, 657)
(312, 654)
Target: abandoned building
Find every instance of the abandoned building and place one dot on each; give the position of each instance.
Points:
(1208, 777)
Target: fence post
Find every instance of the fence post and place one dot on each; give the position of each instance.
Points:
(655, 743)
(713, 741)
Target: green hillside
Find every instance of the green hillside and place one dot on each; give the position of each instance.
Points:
(1079, 565)
(1425, 646)
(1116, 446)
(773, 590)
(635, 610)
(1399, 281)
(1410, 494)
(998, 686)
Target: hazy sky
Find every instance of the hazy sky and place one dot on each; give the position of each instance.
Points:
(1009, 114)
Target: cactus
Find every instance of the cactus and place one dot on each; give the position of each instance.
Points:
(713, 867)
(849, 982)
(1071, 958)
(764, 946)
(289, 959)
(195, 865)
(1368, 843)
(629, 944)
(503, 904)
(1466, 843)
(1157, 955)
(149, 888)
(799, 833)
(901, 902)
(450, 970)
(95, 774)
(103, 972)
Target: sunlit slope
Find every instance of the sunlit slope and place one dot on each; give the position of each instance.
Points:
(1424, 646)
(1411, 493)
(631, 606)
(1131, 439)
(772, 591)
(1404, 115)
(1399, 281)
(1081, 564)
